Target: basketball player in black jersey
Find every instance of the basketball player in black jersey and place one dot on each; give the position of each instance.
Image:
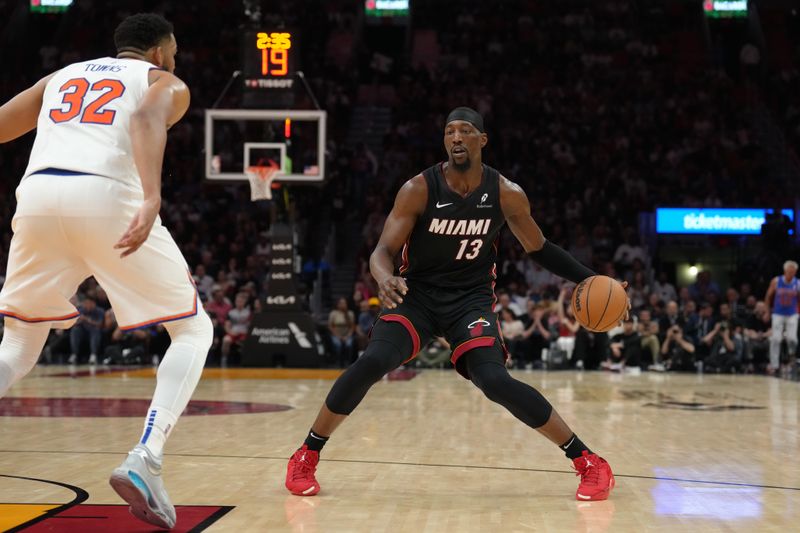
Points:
(445, 222)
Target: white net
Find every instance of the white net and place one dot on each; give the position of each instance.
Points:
(261, 178)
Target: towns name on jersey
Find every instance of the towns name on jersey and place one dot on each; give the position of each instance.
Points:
(446, 226)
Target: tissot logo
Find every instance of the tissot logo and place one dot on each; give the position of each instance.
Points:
(281, 247)
(281, 275)
(279, 261)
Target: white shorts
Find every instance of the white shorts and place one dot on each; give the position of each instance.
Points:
(65, 228)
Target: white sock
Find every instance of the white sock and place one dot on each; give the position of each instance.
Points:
(19, 350)
(156, 429)
(177, 378)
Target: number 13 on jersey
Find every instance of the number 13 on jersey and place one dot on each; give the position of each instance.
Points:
(474, 246)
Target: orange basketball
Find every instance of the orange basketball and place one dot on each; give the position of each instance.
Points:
(599, 303)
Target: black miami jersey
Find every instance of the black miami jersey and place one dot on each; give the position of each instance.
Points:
(454, 242)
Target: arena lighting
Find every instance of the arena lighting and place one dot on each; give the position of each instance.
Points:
(693, 271)
(716, 221)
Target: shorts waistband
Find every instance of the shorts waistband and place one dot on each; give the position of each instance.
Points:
(60, 172)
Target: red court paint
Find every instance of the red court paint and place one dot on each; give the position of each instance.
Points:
(117, 519)
(121, 407)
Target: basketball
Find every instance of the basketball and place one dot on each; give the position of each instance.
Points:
(599, 303)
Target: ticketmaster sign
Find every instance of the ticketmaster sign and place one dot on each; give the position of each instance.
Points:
(701, 221)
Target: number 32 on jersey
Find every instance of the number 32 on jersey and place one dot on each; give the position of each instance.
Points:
(75, 91)
(474, 249)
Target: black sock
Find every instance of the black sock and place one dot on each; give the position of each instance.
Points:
(315, 442)
(574, 447)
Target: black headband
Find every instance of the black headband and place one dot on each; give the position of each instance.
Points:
(467, 115)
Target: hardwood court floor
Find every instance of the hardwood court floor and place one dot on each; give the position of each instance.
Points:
(430, 454)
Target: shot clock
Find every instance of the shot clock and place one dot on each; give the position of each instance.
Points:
(269, 60)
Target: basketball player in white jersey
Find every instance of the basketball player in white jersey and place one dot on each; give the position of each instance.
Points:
(88, 206)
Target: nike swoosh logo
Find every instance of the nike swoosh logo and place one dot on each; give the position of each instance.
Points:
(443, 205)
(582, 497)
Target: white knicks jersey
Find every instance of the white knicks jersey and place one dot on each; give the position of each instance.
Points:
(84, 124)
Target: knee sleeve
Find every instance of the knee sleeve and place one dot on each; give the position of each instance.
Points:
(19, 350)
(183, 363)
(488, 373)
(389, 347)
(197, 331)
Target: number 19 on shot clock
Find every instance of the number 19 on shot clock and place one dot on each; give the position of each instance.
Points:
(269, 59)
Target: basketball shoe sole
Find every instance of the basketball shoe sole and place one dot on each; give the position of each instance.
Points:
(138, 481)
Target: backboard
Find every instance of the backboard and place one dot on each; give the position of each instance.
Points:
(238, 138)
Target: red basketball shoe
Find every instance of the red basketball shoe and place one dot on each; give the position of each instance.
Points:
(597, 480)
(300, 478)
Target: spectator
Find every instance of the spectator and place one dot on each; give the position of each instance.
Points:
(677, 351)
(219, 306)
(504, 302)
(638, 291)
(737, 308)
(671, 317)
(89, 325)
(705, 332)
(513, 335)
(625, 349)
(538, 333)
(690, 319)
(237, 326)
(370, 310)
(757, 334)
(665, 289)
(342, 326)
(582, 250)
(649, 333)
(628, 251)
(203, 281)
(704, 287)
(568, 325)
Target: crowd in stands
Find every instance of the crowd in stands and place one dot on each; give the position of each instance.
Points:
(224, 237)
(599, 110)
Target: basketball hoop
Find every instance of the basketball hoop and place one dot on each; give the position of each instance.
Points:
(261, 178)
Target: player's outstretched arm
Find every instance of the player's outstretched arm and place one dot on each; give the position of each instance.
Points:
(517, 210)
(19, 115)
(164, 103)
(408, 206)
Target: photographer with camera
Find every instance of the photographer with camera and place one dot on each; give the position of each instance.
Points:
(727, 347)
(677, 351)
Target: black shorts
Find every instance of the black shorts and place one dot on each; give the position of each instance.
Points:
(464, 317)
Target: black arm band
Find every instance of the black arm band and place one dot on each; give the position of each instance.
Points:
(560, 263)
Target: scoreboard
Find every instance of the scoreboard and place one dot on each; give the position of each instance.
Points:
(269, 60)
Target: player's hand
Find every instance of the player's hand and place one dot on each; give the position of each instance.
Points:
(628, 312)
(139, 228)
(391, 291)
